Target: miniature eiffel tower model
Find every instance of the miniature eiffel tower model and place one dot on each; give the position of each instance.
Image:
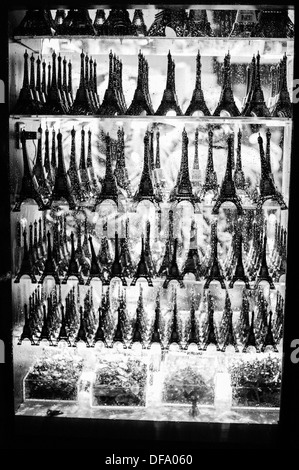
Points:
(175, 336)
(145, 189)
(55, 103)
(26, 103)
(120, 171)
(158, 173)
(210, 182)
(89, 83)
(111, 104)
(95, 85)
(192, 263)
(198, 24)
(45, 334)
(197, 103)
(82, 331)
(38, 86)
(125, 256)
(78, 22)
(138, 23)
(273, 23)
(100, 333)
(168, 247)
(27, 332)
(117, 269)
(183, 188)
(227, 102)
(84, 262)
(227, 332)
(169, 100)
(141, 103)
(38, 170)
(243, 322)
(60, 83)
(35, 93)
(214, 271)
(147, 251)
(53, 163)
(251, 338)
(47, 164)
(95, 270)
(63, 334)
(142, 268)
(28, 189)
(104, 256)
(109, 187)
(36, 23)
(137, 335)
(32, 251)
(175, 19)
(210, 333)
(283, 106)
(268, 189)
(196, 173)
(64, 87)
(118, 23)
(92, 82)
(27, 268)
(193, 337)
(50, 268)
(239, 274)
(239, 177)
(44, 91)
(156, 337)
(256, 105)
(228, 190)
(99, 20)
(73, 267)
(82, 103)
(40, 244)
(173, 272)
(90, 168)
(263, 273)
(269, 337)
(84, 176)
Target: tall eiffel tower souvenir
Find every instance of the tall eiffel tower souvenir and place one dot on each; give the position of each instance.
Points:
(55, 103)
(168, 247)
(32, 252)
(175, 336)
(173, 272)
(120, 171)
(210, 333)
(41, 248)
(50, 268)
(95, 85)
(111, 104)
(137, 335)
(273, 23)
(283, 106)
(138, 24)
(62, 189)
(193, 337)
(27, 332)
(38, 170)
(142, 268)
(256, 105)
(192, 263)
(84, 176)
(63, 334)
(243, 322)
(210, 182)
(117, 269)
(44, 90)
(214, 270)
(28, 189)
(263, 272)
(45, 334)
(100, 333)
(95, 270)
(92, 83)
(156, 336)
(226, 328)
(141, 103)
(268, 189)
(239, 177)
(38, 86)
(26, 103)
(84, 262)
(198, 24)
(90, 168)
(239, 274)
(82, 103)
(197, 103)
(269, 337)
(73, 267)
(47, 163)
(109, 187)
(175, 19)
(228, 190)
(89, 83)
(64, 87)
(60, 83)
(32, 85)
(226, 103)
(251, 338)
(125, 256)
(169, 100)
(27, 268)
(118, 23)
(99, 20)
(36, 23)
(145, 189)
(82, 331)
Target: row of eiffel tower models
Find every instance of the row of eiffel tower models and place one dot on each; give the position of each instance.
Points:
(49, 319)
(249, 259)
(54, 94)
(249, 23)
(49, 183)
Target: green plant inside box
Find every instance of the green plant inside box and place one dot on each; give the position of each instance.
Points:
(54, 378)
(256, 381)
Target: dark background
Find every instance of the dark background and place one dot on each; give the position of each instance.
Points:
(129, 437)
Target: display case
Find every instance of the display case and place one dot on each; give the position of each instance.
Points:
(150, 155)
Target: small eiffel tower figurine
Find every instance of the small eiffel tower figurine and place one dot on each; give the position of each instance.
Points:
(268, 189)
(137, 335)
(193, 337)
(148, 252)
(210, 334)
(125, 256)
(210, 182)
(44, 90)
(117, 269)
(141, 103)
(28, 189)
(84, 176)
(168, 247)
(35, 94)
(251, 338)
(95, 270)
(100, 333)
(228, 190)
(156, 337)
(93, 84)
(263, 274)
(175, 19)
(50, 268)
(47, 164)
(138, 23)
(60, 84)
(198, 24)
(239, 271)
(38, 169)
(183, 188)
(227, 103)
(27, 268)
(27, 332)
(73, 169)
(99, 20)
(26, 103)
(243, 322)
(214, 272)
(175, 336)
(169, 100)
(55, 103)
(89, 83)
(46, 332)
(73, 267)
(38, 86)
(90, 168)
(226, 329)
(82, 103)
(192, 263)
(120, 171)
(63, 334)
(36, 23)
(62, 189)
(82, 331)
(142, 268)
(197, 103)
(65, 90)
(256, 105)
(239, 177)
(173, 272)
(111, 105)
(119, 333)
(269, 338)
(109, 187)
(145, 189)
(283, 106)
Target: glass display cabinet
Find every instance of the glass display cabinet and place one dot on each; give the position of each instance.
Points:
(150, 154)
